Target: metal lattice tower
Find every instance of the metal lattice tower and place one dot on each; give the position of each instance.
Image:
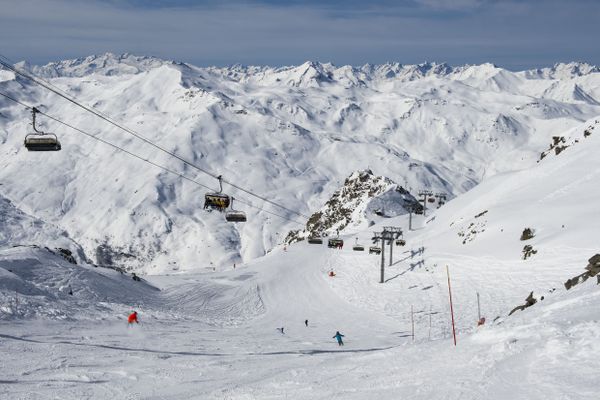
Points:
(389, 234)
(425, 194)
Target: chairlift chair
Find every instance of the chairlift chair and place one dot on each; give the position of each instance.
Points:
(400, 242)
(315, 240)
(40, 141)
(374, 250)
(335, 243)
(235, 215)
(358, 247)
(218, 200)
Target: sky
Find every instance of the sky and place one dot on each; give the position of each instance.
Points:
(514, 34)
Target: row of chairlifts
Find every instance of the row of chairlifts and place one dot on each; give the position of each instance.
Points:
(331, 243)
(40, 141)
(336, 243)
(221, 202)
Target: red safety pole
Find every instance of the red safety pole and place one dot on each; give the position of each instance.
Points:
(451, 308)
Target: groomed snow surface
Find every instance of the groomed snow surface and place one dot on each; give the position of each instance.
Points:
(214, 336)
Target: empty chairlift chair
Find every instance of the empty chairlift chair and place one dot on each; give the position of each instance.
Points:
(358, 247)
(218, 200)
(41, 141)
(235, 215)
(315, 240)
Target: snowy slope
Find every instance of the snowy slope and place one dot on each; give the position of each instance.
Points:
(212, 335)
(19, 229)
(292, 134)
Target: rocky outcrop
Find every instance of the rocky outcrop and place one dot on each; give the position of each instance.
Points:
(362, 195)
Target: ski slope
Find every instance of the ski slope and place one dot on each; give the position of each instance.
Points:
(213, 336)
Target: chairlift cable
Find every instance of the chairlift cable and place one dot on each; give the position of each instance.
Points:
(104, 117)
(166, 169)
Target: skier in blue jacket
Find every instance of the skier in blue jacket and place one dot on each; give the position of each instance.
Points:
(339, 337)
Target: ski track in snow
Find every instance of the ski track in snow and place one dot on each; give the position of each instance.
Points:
(182, 349)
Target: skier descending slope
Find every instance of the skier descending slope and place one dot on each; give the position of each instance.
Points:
(339, 337)
(132, 318)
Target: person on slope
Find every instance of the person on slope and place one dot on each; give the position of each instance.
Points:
(306, 322)
(280, 330)
(132, 318)
(339, 337)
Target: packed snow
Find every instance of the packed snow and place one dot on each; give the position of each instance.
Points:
(88, 235)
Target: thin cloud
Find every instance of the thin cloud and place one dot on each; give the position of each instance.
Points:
(511, 34)
(452, 4)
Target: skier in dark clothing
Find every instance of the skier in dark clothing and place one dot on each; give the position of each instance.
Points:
(306, 322)
(280, 330)
(339, 337)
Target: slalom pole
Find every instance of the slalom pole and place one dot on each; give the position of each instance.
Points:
(451, 308)
(430, 322)
(478, 308)
(412, 321)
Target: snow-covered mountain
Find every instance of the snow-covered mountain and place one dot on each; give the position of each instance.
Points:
(291, 134)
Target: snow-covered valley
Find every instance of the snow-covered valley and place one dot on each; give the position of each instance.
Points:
(351, 147)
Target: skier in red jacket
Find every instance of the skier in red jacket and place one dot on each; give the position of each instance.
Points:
(133, 318)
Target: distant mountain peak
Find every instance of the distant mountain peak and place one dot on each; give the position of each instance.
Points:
(104, 64)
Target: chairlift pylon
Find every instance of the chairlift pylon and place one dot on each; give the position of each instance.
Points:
(40, 141)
